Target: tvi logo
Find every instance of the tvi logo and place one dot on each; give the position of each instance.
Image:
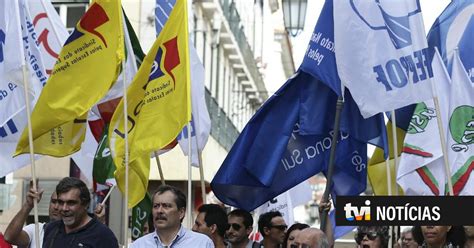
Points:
(356, 213)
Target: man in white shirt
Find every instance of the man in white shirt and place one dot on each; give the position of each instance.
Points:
(15, 235)
(169, 207)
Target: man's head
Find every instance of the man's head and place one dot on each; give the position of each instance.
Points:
(211, 220)
(169, 207)
(54, 213)
(272, 226)
(408, 241)
(311, 238)
(240, 226)
(73, 200)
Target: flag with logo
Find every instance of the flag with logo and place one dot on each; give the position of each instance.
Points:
(11, 96)
(421, 169)
(200, 121)
(158, 103)
(268, 159)
(36, 22)
(141, 215)
(59, 117)
(453, 29)
(460, 129)
(382, 53)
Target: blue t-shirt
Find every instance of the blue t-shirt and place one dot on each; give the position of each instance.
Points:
(93, 234)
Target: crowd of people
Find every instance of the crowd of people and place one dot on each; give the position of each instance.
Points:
(70, 225)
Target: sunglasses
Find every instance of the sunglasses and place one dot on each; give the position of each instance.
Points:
(370, 236)
(235, 226)
(279, 227)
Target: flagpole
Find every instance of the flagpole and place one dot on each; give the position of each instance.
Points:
(447, 168)
(108, 194)
(389, 177)
(325, 197)
(201, 172)
(160, 170)
(395, 148)
(125, 120)
(190, 217)
(30, 130)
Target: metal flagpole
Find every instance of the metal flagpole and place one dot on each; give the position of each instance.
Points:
(189, 210)
(395, 149)
(160, 170)
(125, 120)
(325, 197)
(201, 172)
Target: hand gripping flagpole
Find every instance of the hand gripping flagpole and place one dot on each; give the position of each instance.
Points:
(325, 197)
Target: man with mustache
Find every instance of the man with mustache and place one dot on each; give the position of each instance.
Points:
(169, 207)
(76, 228)
(15, 235)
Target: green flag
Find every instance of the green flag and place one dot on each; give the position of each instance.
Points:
(103, 166)
(141, 214)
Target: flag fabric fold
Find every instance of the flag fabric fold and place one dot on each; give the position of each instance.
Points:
(460, 129)
(453, 29)
(75, 84)
(382, 53)
(200, 120)
(158, 104)
(421, 169)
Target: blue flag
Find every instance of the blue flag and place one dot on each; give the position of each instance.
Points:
(454, 28)
(288, 140)
(272, 142)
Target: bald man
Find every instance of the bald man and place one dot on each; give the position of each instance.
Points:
(311, 237)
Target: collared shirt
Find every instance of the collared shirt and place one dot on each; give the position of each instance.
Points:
(184, 239)
(250, 244)
(93, 234)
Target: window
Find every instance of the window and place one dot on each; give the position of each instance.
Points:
(70, 12)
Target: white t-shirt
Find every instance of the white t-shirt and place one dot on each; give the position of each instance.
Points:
(30, 230)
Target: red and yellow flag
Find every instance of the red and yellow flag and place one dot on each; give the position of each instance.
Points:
(87, 66)
(158, 104)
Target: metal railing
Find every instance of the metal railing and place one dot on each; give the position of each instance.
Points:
(233, 18)
(222, 128)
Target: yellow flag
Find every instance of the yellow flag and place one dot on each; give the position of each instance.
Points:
(158, 104)
(377, 169)
(86, 68)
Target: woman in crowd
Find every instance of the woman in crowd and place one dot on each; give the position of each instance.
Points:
(372, 236)
(439, 236)
(291, 233)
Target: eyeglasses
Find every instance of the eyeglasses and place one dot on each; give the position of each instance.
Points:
(235, 226)
(279, 227)
(370, 236)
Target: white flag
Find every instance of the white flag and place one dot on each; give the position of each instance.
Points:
(460, 136)
(381, 53)
(200, 122)
(11, 96)
(27, 37)
(421, 169)
(286, 201)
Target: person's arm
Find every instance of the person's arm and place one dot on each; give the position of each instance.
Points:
(326, 206)
(14, 233)
(99, 212)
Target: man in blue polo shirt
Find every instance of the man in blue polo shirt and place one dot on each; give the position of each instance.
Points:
(76, 228)
(169, 207)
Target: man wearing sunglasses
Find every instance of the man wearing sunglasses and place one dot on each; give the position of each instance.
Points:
(272, 226)
(372, 236)
(240, 226)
